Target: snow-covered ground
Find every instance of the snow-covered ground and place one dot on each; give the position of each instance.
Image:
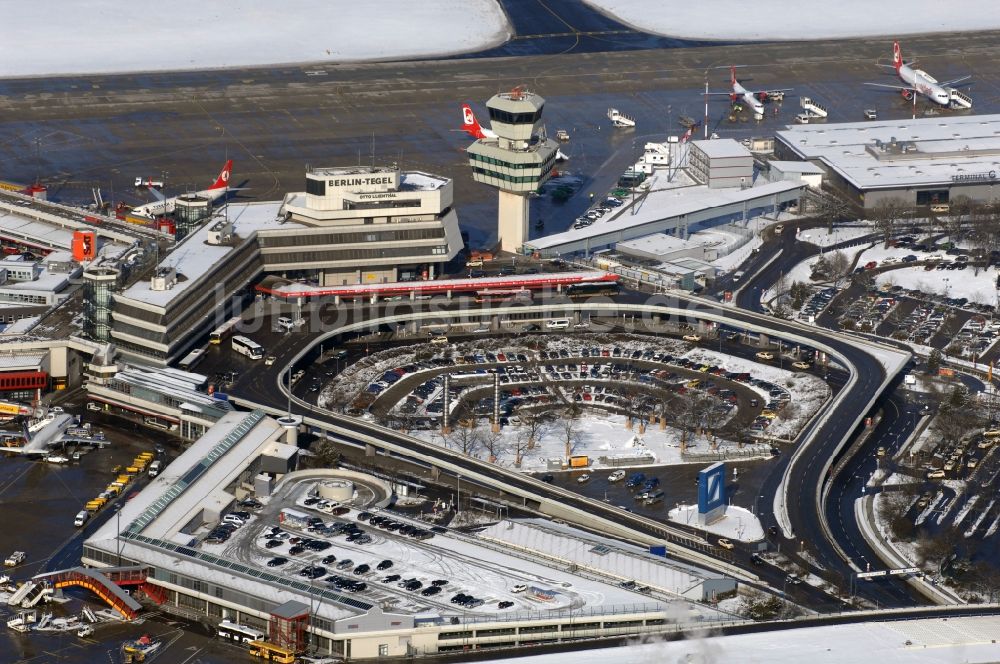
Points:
(978, 288)
(738, 523)
(787, 19)
(103, 36)
(821, 237)
(970, 640)
(605, 439)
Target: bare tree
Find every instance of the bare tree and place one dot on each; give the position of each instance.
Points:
(886, 215)
(838, 267)
(535, 425)
(569, 428)
(832, 208)
(465, 438)
(495, 444)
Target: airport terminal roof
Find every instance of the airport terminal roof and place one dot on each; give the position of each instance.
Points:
(893, 153)
(194, 257)
(660, 205)
(661, 243)
(32, 231)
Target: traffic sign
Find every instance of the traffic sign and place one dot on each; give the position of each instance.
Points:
(904, 570)
(868, 575)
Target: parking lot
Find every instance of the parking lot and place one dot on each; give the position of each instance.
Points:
(399, 562)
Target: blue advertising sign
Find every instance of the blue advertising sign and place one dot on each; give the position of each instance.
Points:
(712, 488)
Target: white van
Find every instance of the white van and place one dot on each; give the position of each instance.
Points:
(285, 323)
(439, 340)
(557, 324)
(81, 518)
(154, 468)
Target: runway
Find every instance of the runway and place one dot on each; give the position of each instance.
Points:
(81, 132)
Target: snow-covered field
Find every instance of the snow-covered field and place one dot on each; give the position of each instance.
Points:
(979, 288)
(605, 439)
(103, 36)
(738, 523)
(787, 19)
(821, 237)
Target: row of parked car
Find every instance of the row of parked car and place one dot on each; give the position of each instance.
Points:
(595, 213)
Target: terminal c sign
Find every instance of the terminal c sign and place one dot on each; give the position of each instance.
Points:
(975, 177)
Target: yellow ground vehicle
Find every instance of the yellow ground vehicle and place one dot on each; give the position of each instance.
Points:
(269, 651)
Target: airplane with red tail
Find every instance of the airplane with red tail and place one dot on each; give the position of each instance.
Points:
(471, 126)
(163, 205)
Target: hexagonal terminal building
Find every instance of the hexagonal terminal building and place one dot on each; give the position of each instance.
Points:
(516, 158)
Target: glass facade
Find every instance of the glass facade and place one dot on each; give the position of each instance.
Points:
(98, 288)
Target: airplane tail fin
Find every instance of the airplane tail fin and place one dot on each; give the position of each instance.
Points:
(897, 56)
(223, 180)
(732, 75)
(470, 124)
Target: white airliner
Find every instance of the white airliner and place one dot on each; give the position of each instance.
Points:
(471, 126)
(917, 80)
(163, 205)
(753, 98)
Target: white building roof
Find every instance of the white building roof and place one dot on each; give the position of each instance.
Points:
(417, 180)
(944, 147)
(21, 361)
(662, 204)
(30, 229)
(804, 167)
(722, 148)
(661, 243)
(194, 257)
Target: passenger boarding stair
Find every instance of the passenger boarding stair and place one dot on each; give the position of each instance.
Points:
(36, 594)
(812, 107)
(21, 593)
(104, 583)
(959, 99)
(619, 119)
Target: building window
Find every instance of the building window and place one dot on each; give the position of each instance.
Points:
(316, 187)
(383, 650)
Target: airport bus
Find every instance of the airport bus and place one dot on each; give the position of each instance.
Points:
(239, 633)
(502, 295)
(248, 347)
(191, 360)
(220, 333)
(593, 289)
(271, 652)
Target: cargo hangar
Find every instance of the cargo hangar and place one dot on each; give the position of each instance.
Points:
(924, 161)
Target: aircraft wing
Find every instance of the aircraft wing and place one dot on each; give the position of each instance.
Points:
(955, 80)
(156, 194)
(755, 92)
(891, 87)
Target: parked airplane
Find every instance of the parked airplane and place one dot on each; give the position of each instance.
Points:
(471, 126)
(753, 98)
(919, 81)
(163, 205)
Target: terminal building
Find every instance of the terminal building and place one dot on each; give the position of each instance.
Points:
(364, 226)
(351, 226)
(707, 183)
(922, 162)
(559, 584)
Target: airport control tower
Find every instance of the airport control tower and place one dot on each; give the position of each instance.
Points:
(516, 158)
